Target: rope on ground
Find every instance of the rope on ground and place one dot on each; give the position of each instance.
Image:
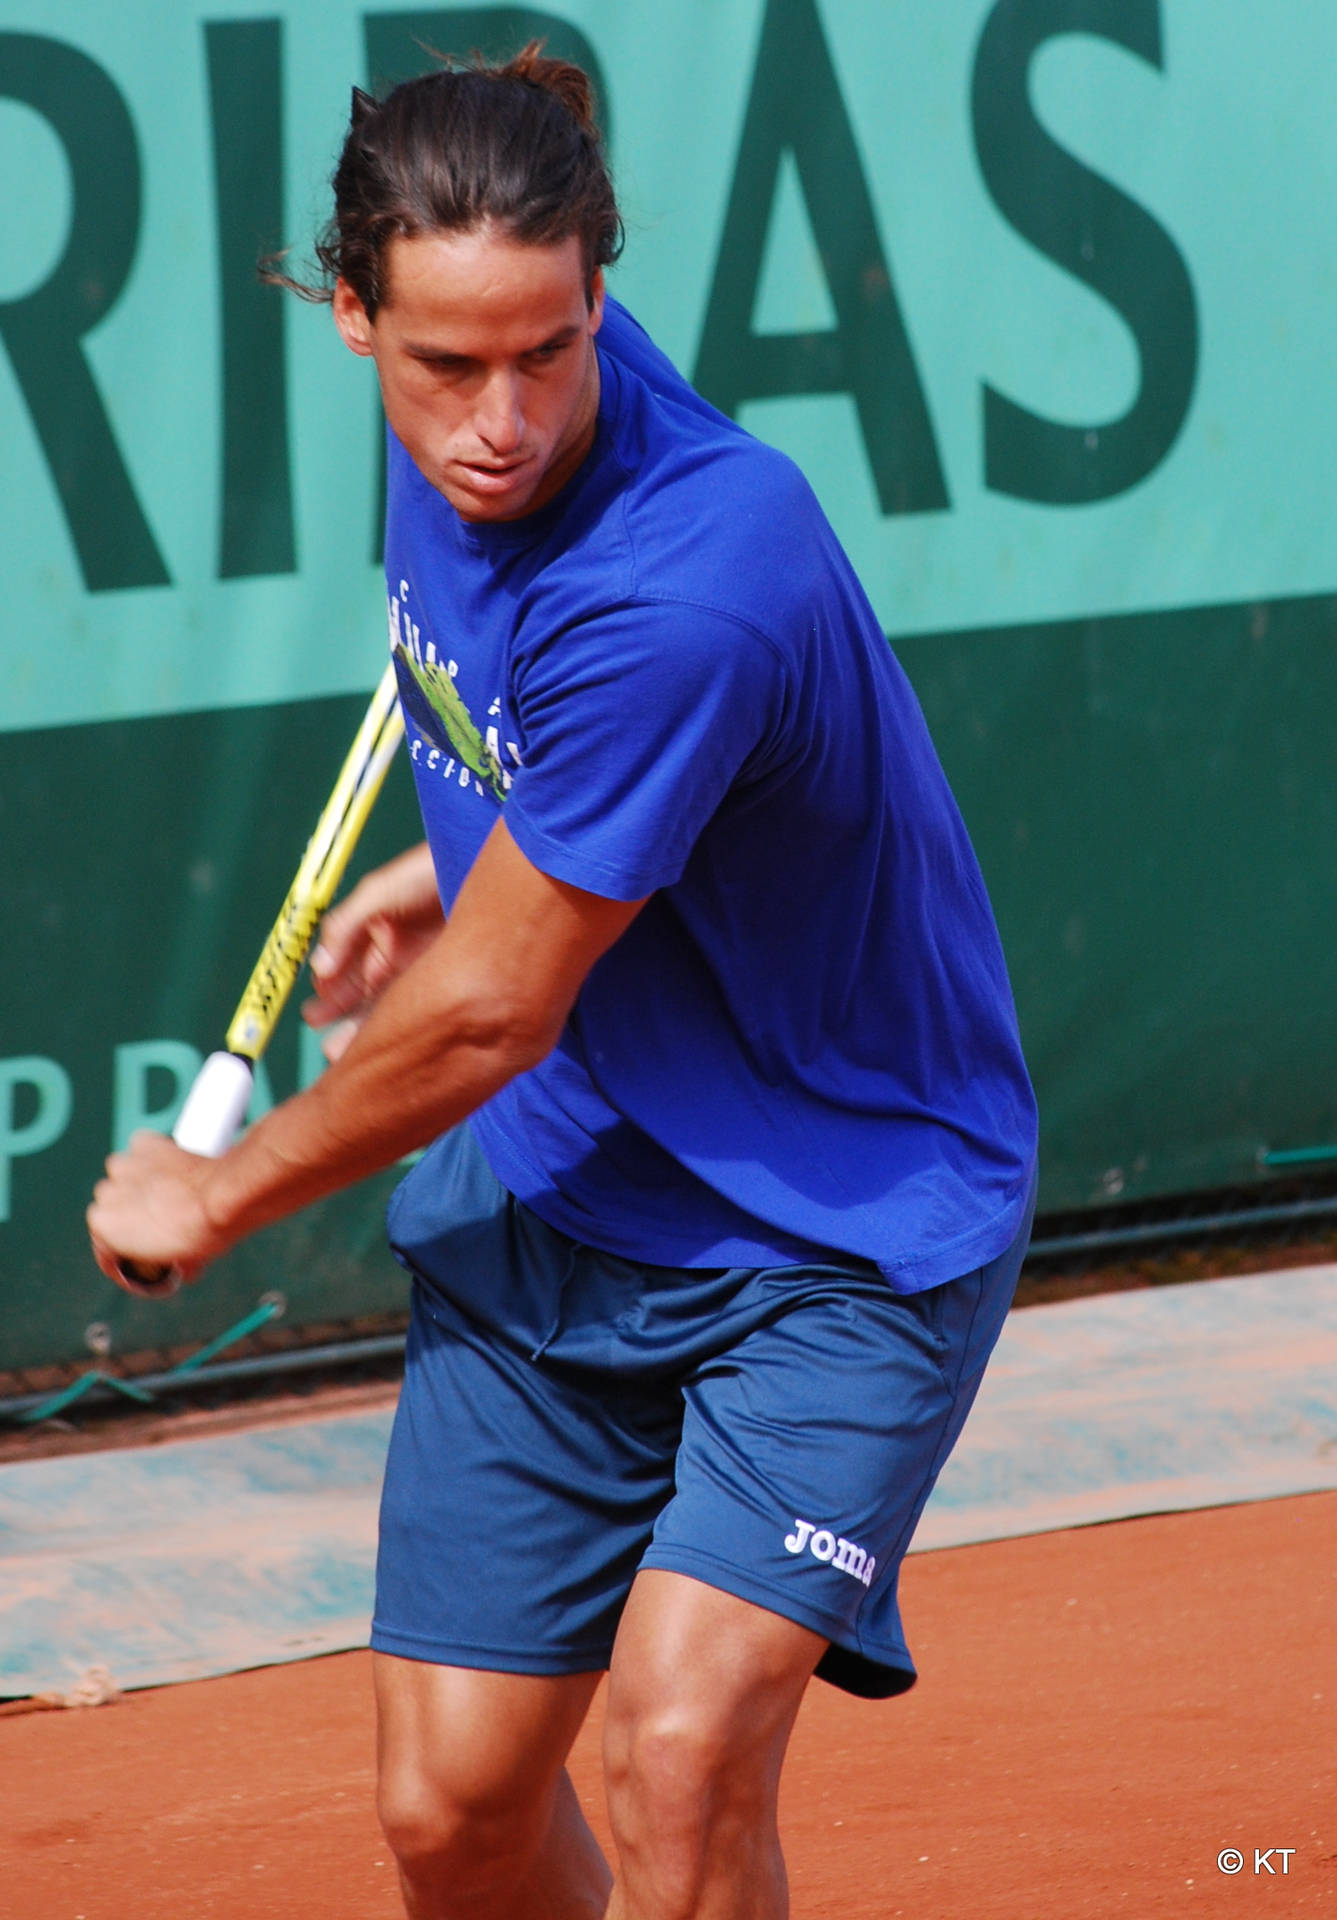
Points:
(94, 1688)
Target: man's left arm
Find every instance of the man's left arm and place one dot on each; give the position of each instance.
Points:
(485, 1001)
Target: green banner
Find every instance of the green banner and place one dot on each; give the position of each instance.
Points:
(1037, 293)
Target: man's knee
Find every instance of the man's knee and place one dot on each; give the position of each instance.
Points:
(702, 1696)
(449, 1819)
(470, 1768)
(669, 1768)
(691, 1803)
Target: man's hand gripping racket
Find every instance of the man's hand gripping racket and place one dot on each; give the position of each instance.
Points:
(216, 1104)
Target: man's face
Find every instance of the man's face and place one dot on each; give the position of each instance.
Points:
(485, 351)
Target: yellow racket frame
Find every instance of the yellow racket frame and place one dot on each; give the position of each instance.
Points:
(317, 879)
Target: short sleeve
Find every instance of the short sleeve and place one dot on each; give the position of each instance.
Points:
(636, 724)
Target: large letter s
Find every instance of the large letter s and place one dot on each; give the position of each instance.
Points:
(1097, 234)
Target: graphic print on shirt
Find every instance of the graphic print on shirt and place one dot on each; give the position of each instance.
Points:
(434, 704)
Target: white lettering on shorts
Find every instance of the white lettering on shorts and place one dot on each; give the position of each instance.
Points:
(826, 1546)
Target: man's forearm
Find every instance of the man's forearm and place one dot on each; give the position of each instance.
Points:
(433, 1050)
(485, 999)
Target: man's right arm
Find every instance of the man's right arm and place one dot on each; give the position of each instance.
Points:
(484, 999)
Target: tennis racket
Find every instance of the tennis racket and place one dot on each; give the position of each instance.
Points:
(216, 1104)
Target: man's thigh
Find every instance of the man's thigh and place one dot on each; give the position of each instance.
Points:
(458, 1743)
(691, 1655)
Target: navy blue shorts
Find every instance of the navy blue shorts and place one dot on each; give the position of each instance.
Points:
(569, 1417)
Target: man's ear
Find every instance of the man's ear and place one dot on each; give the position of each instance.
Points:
(596, 299)
(350, 317)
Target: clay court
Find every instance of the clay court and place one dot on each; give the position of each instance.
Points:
(1100, 1713)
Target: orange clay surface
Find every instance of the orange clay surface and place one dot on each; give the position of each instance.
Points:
(1100, 1713)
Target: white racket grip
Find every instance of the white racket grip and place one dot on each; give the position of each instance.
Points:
(207, 1124)
(216, 1105)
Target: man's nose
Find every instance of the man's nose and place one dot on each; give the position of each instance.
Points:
(499, 420)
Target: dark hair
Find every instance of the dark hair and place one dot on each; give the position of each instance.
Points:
(516, 145)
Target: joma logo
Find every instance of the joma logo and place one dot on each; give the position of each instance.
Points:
(825, 1545)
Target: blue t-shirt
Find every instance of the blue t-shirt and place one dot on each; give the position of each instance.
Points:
(671, 680)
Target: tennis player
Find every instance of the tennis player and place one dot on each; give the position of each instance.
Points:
(695, 990)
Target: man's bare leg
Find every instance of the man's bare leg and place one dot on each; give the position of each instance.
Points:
(474, 1797)
(703, 1693)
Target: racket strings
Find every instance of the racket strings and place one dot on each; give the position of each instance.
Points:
(322, 868)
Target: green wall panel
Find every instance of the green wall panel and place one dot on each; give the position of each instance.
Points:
(1153, 802)
(141, 863)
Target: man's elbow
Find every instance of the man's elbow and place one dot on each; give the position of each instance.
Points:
(514, 1027)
